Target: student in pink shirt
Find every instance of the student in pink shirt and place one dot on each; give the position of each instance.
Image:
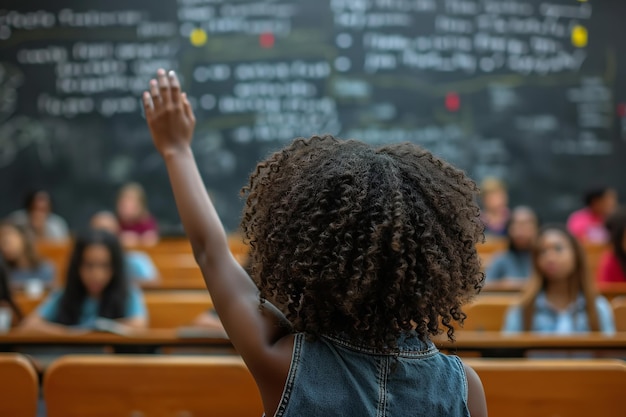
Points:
(587, 224)
(137, 226)
(613, 264)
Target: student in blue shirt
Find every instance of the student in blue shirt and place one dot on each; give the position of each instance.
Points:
(515, 264)
(139, 265)
(560, 296)
(17, 249)
(96, 287)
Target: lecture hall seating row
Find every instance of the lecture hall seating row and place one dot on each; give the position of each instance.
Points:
(178, 270)
(173, 259)
(169, 309)
(94, 386)
(488, 313)
(166, 309)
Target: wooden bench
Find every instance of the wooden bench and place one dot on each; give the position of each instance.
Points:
(173, 259)
(166, 309)
(612, 290)
(487, 313)
(619, 313)
(545, 388)
(151, 386)
(27, 304)
(19, 386)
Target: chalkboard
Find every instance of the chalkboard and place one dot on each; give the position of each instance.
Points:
(533, 92)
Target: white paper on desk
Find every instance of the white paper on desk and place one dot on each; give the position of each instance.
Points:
(110, 326)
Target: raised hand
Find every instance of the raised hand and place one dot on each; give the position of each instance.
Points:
(169, 114)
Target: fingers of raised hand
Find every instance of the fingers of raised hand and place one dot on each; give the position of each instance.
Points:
(174, 87)
(187, 108)
(148, 105)
(164, 87)
(155, 95)
(165, 95)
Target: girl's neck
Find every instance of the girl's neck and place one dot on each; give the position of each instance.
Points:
(559, 294)
(136, 219)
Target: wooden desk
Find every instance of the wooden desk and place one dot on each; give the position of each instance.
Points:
(497, 344)
(611, 290)
(144, 341)
(488, 343)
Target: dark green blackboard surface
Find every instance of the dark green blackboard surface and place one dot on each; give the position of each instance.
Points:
(533, 92)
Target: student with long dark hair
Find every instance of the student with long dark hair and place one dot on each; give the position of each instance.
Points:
(613, 264)
(139, 265)
(560, 297)
(96, 287)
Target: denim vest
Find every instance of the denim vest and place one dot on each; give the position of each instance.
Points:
(332, 377)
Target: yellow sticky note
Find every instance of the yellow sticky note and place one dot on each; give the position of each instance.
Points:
(580, 36)
(198, 37)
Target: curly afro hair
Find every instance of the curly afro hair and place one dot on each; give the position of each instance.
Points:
(362, 242)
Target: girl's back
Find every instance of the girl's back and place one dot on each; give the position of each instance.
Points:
(332, 377)
(370, 244)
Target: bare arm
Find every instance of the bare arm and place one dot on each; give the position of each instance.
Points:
(36, 324)
(253, 331)
(476, 401)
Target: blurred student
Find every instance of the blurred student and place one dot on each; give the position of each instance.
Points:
(37, 216)
(495, 207)
(96, 287)
(17, 249)
(7, 304)
(560, 298)
(137, 226)
(588, 223)
(515, 264)
(139, 265)
(613, 264)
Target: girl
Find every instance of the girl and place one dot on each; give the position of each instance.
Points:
(357, 256)
(613, 264)
(24, 265)
(6, 297)
(137, 225)
(514, 265)
(38, 217)
(560, 297)
(139, 265)
(96, 287)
